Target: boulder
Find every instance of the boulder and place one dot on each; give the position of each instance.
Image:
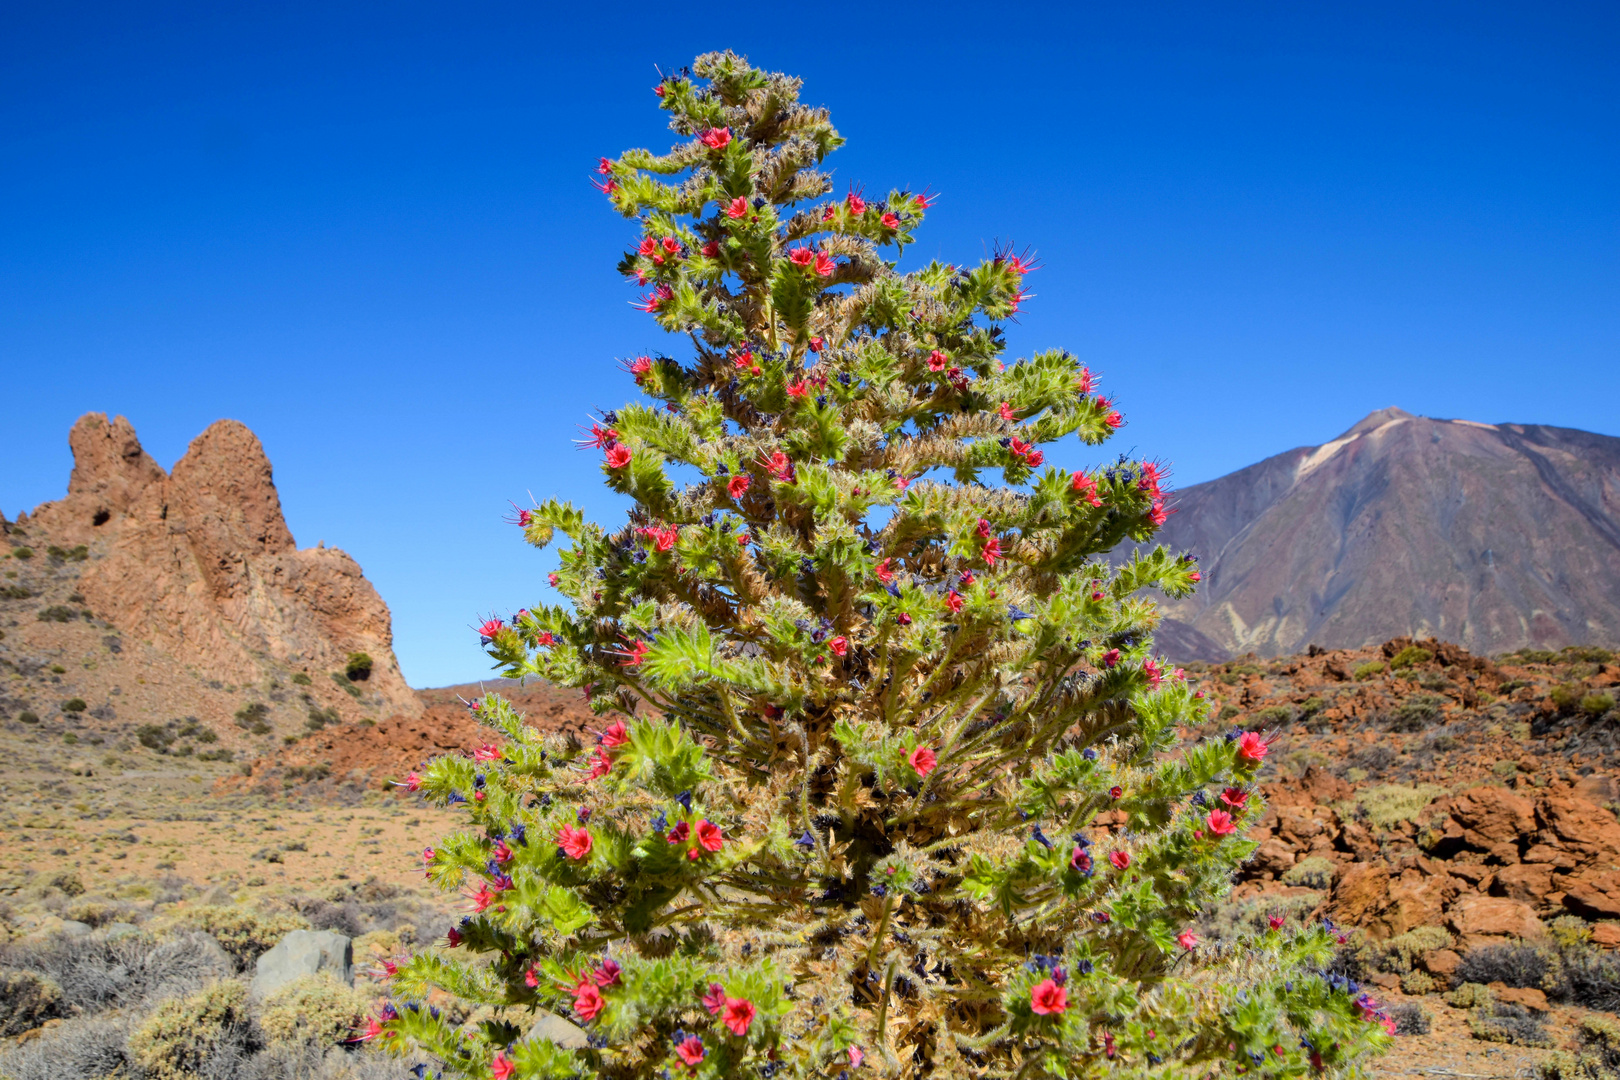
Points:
(560, 1031)
(1526, 883)
(1527, 996)
(1606, 935)
(75, 928)
(1272, 857)
(304, 952)
(1581, 827)
(1476, 917)
(1441, 962)
(1492, 816)
(1594, 896)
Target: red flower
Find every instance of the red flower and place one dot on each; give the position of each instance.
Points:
(1115, 792)
(482, 898)
(487, 752)
(413, 782)
(924, 760)
(552, 578)
(1187, 940)
(711, 249)
(953, 600)
(1018, 265)
(1047, 997)
(922, 201)
(884, 574)
(1007, 413)
(1085, 487)
(745, 361)
(648, 247)
(991, 551)
(545, 639)
(690, 1050)
(671, 245)
(857, 205)
(490, 628)
(737, 208)
(982, 528)
(453, 937)
(715, 138)
(826, 213)
(1110, 658)
(1154, 673)
(824, 264)
(1195, 576)
(679, 833)
(601, 764)
(856, 1057)
(1080, 860)
(1275, 921)
(576, 843)
(500, 1067)
(1113, 419)
(587, 1001)
(709, 836)
(1157, 513)
(1220, 823)
(1236, 798)
(839, 646)
(663, 538)
(737, 1015)
(637, 652)
(890, 221)
(1252, 749)
(737, 485)
(604, 166)
(615, 735)
(798, 388)
(743, 539)
(1120, 859)
(655, 299)
(779, 466)
(802, 256)
(903, 619)
(938, 361)
(715, 999)
(815, 343)
(607, 973)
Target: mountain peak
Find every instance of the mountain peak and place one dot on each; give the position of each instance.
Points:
(1377, 419)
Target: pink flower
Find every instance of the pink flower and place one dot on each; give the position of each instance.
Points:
(655, 299)
(815, 343)
(1157, 514)
(640, 366)
(968, 578)
(487, 752)
(856, 1057)
(1007, 413)
(1080, 860)
(802, 256)
(884, 574)
(715, 138)
(679, 833)
(1047, 997)
(715, 999)
(490, 628)
(991, 551)
(839, 646)
(552, 579)
(500, 1067)
(607, 973)
(1220, 823)
(1235, 797)
(737, 485)
(413, 782)
(953, 600)
(924, 760)
(1275, 921)
(1120, 859)
(709, 835)
(1252, 748)
(737, 208)
(824, 264)
(938, 361)
(890, 221)
(690, 1051)
(737, 1015)
(1110, 658)
(1187, 939)
(576, 843)
(857, 205)
(618, 456)
(779, 466)
(615, 735)
(501, 853)
(588, 1001)
(1154, 673)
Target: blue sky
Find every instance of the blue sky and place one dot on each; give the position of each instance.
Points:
(367, 231)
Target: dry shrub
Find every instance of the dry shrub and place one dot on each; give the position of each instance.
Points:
(27, 1000)
(242, 932)
(178, 1039)
(76, 1048)
(315, 1008)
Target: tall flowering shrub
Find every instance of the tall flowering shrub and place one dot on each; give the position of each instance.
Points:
(889, 780)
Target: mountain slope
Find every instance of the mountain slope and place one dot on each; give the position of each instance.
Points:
(1497, 537)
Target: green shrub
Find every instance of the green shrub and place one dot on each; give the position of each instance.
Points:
(1274, 716)
(1399, 954)
(1228, 711)
(348, 687)
(1567, 697)
(319, 717)
(176, 1041)
(1388, 804)
(315, 1009)
(74, 705)
(358, 667)
(244, 933)
(1418, 983)
(1505, 769)
(1409, 656)
(27, 1000)
(154, 737)
(1311, 706)
(15, 592)
(22, 553)
(1510, 1024)
(1369, 669)
(1585, 654)
(68, 882)
(1570, 931)
(1513, 965)
(216, 755)
(1313, 872)
(73, 554)
(27, 716)
(1596, 704)
(301, 679)
(1416, 713)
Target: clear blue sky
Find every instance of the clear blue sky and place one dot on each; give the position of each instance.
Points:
(367, 231)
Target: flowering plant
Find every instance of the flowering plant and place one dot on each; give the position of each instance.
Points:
(889, 780)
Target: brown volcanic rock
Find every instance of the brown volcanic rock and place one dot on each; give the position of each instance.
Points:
(1497, 537)
(201, 565)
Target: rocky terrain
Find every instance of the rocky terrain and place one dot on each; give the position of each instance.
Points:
(1495, 536)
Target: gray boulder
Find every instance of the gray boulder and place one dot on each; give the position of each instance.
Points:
(560, 1031)
(304, 952)
(75, 928)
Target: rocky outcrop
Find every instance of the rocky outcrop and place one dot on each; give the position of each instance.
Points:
(1495, 536)
(200, 563)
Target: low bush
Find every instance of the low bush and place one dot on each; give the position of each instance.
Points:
(83, 1047)
(358, 667)
(1228, 711)
(1410, 1018)
(27, 1000)
(1312, 872)
(154, 737)
(244, 933)
(1510, 1024)
(1567, 696)
(1412, 654)
(1274, 716)
(1596, 704)
(74, 705)
(1388, 804)
(57, 613)
(216, 755)
(15, 592)
(1592, 979)
(27, 716)
(252, 718)
(181, 1036)
(347, 685)
(315, 1008)
(300, 679)
(1514, 965)
(1370, 669)
(96, 973)
(1416, 713)
(22, 552)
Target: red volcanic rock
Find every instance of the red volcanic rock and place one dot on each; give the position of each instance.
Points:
(1477, 917)
(201, 565)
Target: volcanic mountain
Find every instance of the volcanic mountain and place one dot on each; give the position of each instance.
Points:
(1494, 536)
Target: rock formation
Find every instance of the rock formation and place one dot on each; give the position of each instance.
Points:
(200, 563)
(1493, 536)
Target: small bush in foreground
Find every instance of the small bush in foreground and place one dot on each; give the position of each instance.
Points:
(178, 1039)
(27, 1000)
(315, 1008)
